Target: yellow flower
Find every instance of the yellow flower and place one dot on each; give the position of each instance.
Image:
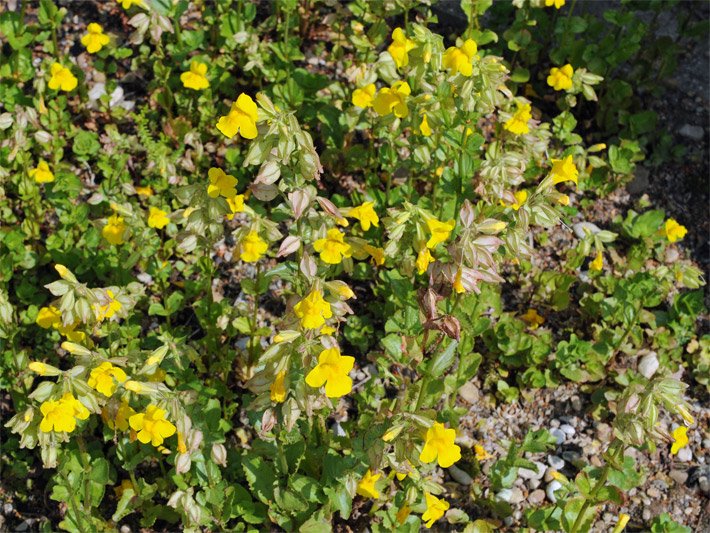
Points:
(424, 258)
(39, 368)
(143, 191)
(128, 3)
(520, 199)
(557, 3)
(393, 100)
(181, 446)
(96, 39)
(435, 509)
(481, 453)
(195, 78)
(518, 123)
(102, 377)
(439, 445)
(561, 78)
(400, 47)
(152, 426)
(564, 170)
(366, 214)
(313, 310)
(120, 419)
(680, 439)
(532, 319)
(252, 247)
(440, 231)
(424, 128)
(62, 78)
(236, 204)
(458, 282)
(241, 118)
(623, 518)
(278, 388)
(41, 173)
(221, 184)
(60, 415)
(403, 514)
(126, 484)
(333, 248)
(108, 310)
(674, 231)
(563, 199)
(377, 254)
(157, 218)
(364, 96)
(115, 230)
(458, 59)
(327, 330)
(366, 486)
(598, 262)
(332, 370)
(48, 317)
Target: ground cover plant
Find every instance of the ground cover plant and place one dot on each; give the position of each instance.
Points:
(278, 266)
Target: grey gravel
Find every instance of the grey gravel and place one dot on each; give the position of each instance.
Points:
(558, 434)
(567, 429)
(692, 132)
(685, 455)
(556, 462)
(460, 476)
(536, 497)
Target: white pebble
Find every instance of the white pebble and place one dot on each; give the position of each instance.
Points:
(553, 486)
(558, 434)
(567, 429)
(685, 455)
(556, 462)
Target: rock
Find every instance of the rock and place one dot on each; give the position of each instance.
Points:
(470, 393)
(582, 228)
(505, 495)
(576, 403)
(567, 430)
(603, 432)
(704, 484)
(125, 529)
(685, 455)
(640, 182)
(556, 462)
(533, 483)
(694, 133)
(459, 475)
(679, 476)
(558, 434)
(646, 514)
(648, 365)
(653, 493)
(571, 456)
(706, 444)
(517, 496)
(536, 497)
(7, 509)
(532, 474)
(553, 486)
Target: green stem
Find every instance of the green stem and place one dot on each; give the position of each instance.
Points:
(254, 318)
(616, 447)
(72, 502)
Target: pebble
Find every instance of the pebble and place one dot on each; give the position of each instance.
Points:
(694, 133)
(7, 509)
(704, 484)
(567, 429)
(558, 434)
(648, 365)
(459, 475)
(532, 474)
(646, 514)
(576, 402)
(553, 486)
(556, 462)
(654, 492)
(125, 529)
(505, 495)
(603, 432)
(470, 393)
(706, 444)
(685, 455)
(517, 496)
(536, 497)
(533, 483)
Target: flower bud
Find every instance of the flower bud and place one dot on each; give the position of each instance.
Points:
(44, 369)
(65, 273)
(491, 226)
(183, 463)
(219, 454)
(75, 349)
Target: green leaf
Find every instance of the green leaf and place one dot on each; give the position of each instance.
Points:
(443, 360)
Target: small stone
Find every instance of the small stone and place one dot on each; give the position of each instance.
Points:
(7, 509)
(558, 434)
(571, 456)
(646, 514)
(603, 432)
(556, 462)
(459, 475)
(532, 474)
(505, 495)
(640, 182)
(704, 484)
(536, 497)
(694, 133)
(125, 529)
(553, 486)
(567, 429)
(653, 493)
(648, 365)
(470, 393)
(533, 483)
(517, 496)
(685, 455)
(24, 526)
(508, 521)
(576, 403)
